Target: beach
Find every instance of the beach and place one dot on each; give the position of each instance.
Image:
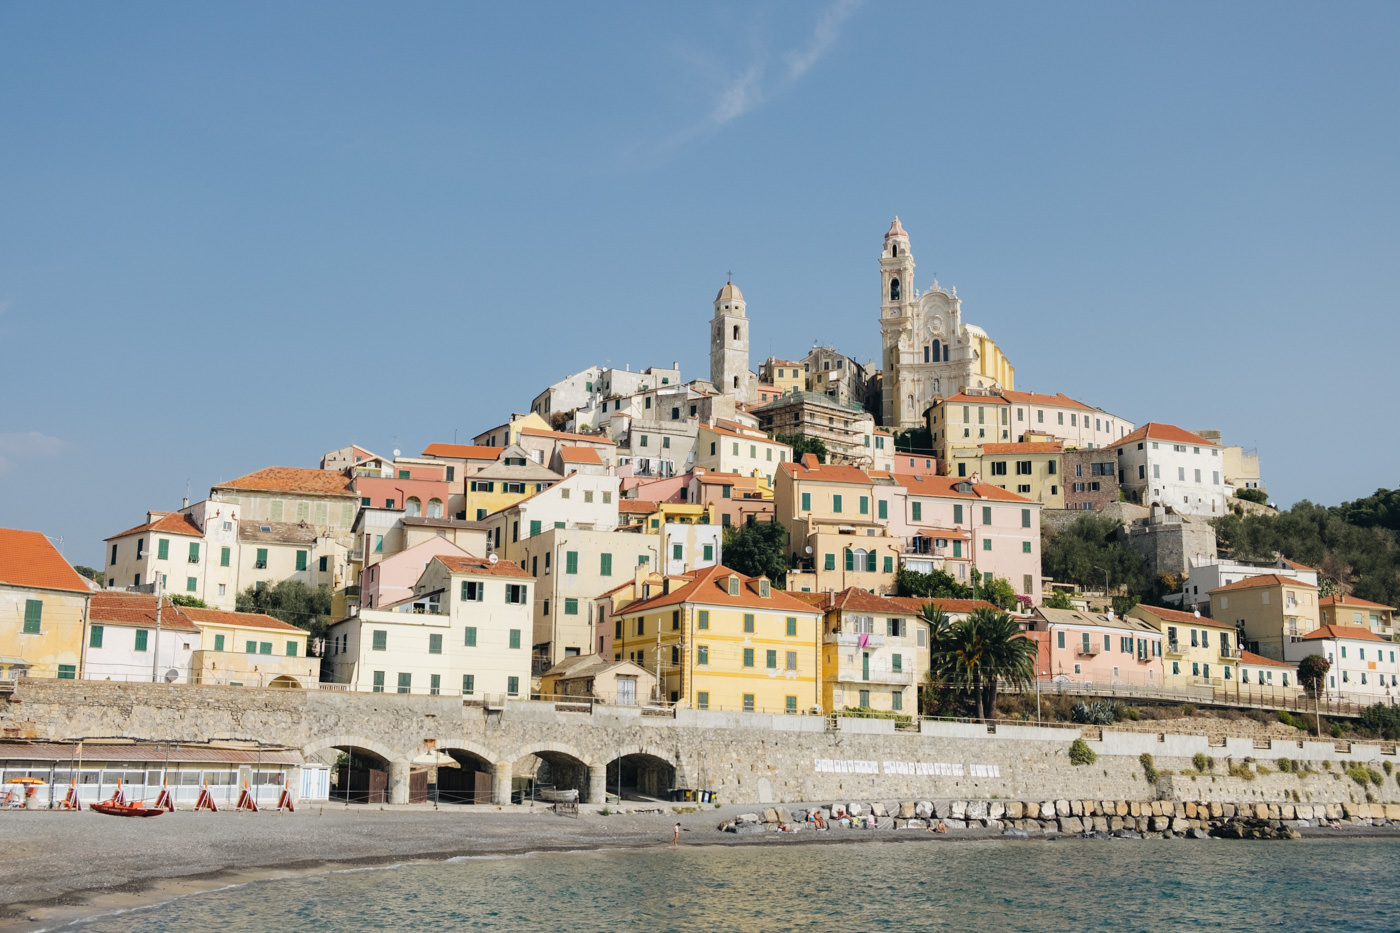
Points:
(63, 865)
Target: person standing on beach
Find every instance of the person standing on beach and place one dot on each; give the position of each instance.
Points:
(676, 835)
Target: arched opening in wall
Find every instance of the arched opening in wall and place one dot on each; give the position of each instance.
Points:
(548, 776)
(284, 682)
(937, 351)
(358, 775)
(894, 289)
(435, 508)
(894, 250)
(736, 331)
(466, 778)
(414, 506)
(641, 777)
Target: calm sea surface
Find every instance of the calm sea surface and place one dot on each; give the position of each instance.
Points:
(1069, 885)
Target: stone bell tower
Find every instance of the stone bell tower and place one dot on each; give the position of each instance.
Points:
(729, 345)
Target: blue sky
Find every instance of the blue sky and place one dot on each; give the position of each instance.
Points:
(239, 235)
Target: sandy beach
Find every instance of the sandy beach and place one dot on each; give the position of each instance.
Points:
(61, 866)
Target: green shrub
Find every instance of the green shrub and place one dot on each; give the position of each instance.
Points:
(1130, 713)
(1202, 762)
(1334, 729)
(1284, 764)
(1382, 720)
(1376, 777)
(1081, 754)
(1096, 713)
(1387, 766)
(1242, 770)
(1149, 768)
(1358, 773)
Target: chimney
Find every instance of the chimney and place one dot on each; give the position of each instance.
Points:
(185, 502)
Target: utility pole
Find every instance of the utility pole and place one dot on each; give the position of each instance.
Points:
(155, 649)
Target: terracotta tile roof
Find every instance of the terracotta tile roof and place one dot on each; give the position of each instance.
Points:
(826, 473)
(461, 564)
(1353, 601)
(293, 479)
(1175, 615)
(1342, 631)
(946, 486)
(137, 609)
(742, 433)
(963, 398)
(171, 523)
(580, 455)
(1098, 619)
(564, 436)
(855, 599)
(1047, 447)
(636, 506)
(28, 559)
(1297, 566)
(463, 451)
(727, 479)
(240, 619)
(710, 587)
(916, 604)
(1264, 579)
(1158, 431)
(277, 532)
(1249, 657)
(1039, 398)
(147, 752)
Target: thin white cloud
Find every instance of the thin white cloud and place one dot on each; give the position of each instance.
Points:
(27, 445)
(823, 37)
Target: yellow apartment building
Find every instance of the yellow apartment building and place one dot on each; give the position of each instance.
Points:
(43, 609)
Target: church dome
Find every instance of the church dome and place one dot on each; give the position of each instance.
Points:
(730, 292)
(896, 229)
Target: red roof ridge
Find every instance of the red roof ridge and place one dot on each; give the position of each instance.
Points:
(27, 558)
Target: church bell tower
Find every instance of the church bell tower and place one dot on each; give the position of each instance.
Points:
(729, 345)
(896, 321)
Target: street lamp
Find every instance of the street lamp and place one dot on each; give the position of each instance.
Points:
(1038, 675)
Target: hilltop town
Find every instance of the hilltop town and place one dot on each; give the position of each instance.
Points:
(577, 548)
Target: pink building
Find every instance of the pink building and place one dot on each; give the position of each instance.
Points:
(915, 464)
(392, 578)
(1098, 648)
(427, 496)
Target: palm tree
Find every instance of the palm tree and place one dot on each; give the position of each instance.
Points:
(980, 653)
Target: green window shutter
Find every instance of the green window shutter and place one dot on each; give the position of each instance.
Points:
(986, 514)
(515, 638)
(264, 647)
(403, 474)
(141, 637)
(364, 501)
(262, 558)
(850, 560)
(558, 525)
(806, 502)
(33, 616)
(435, 643)
(435, 683)
(224, 555)
(291, 649)
(570, 606)
(67, 672)
(957, 549)
(882, 509)
(191, 584)
(324, 562)
(724, 491)
(381, 640)
(675, 620)
(468, 684)
(830, 562)
(677, 552)
(534, 528)
(194, 552)
(571, 561)
(917, 510)
(513, 686)
(163, 548)
(836, 503)
(889, 564)
(704, 619)
(871, 562)
(709, 552)
(897, 662)
(790, 704)
(772, 659)
(470, 639)
(218, 643)
(702, 654)
(250, 647)
(1025, 547)
(864, 505)
(792, 626)
(897, 700)
(986, 544)
(378, 681)
(605, 565)
(1025, 518)
(95, 637)
(748, 622)
(748, 657)
(405, 683)
(957, 514)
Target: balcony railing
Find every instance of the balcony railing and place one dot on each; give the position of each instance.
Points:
(1086, 651)
(194, 558)
(1173, 647)
(852, 640)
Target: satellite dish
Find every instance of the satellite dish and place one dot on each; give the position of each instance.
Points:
(493, 558)
(171, 676)
(809, 549)
(396, 453)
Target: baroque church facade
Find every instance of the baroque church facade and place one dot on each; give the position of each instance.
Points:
(928, 352)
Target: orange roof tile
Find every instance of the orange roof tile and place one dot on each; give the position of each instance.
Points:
(1176, 615)
(241, 619)
(855, 599)
(580, 455)
(463, 451)
(564, 436)
(1264, 579)
(946, 486)
(710, 587)
(28, 559)
(645, 506)
(109, 607)
(172, 523)
(466, 564)
(964, 398)
(1342, 631)
(293, 479)
(1046, 447)
(734, 479)
(1249, 657)
(1039, 398)
(1353, 601)
(917, 604)
(827, 473)
(1158, 431)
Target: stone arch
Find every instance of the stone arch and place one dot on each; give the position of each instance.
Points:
(642, 774)
(284, 682)
(470, 777)
(549, 766)
(363, 778)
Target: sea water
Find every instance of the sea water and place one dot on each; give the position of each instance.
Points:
(1033, 886)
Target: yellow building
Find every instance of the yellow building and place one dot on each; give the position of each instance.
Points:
(1196, 651)
(833, 529)
(874, 651)
(249, 649)
(513, 477)
(1354, 612)
(43, 609)
(720, 640)
(1268, 610)
(1033, 470)
(782, 375)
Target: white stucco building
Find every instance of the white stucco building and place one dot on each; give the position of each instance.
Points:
(1161, 463)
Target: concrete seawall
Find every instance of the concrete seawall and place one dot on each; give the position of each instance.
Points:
(743, 757)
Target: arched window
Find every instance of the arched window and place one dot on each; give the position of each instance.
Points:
(736, 331)
(894, 249)
(435, 508)
(894, 289)
(414, 506)
(945, 353)
(926, 352)
(938, 351)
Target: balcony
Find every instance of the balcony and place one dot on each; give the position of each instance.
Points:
(1173, 647)
(889, 678)
(852, 640)
(357, 554)
(194, 558)
(1228, 653)
(1086, 651)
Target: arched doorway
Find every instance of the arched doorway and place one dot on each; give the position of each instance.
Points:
(284, 682)
(358, 774)
(641, 777)
(466, 778)
(545, 774)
